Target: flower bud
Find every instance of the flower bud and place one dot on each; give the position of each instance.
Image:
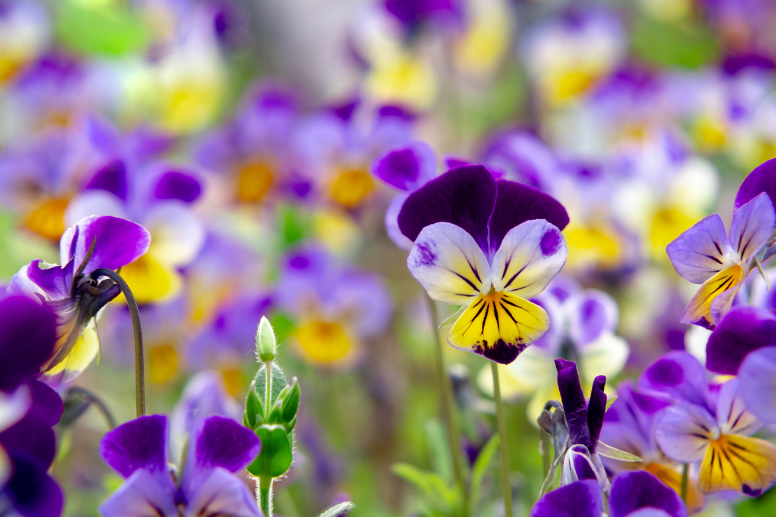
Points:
(266, 345)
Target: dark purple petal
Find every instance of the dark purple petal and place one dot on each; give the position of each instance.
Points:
(31, 491)
(741, 331)
(47, 402)
(574, 404)
(178, 185)
(407, 167)
(117, 242)
(679, 376)
(762, 179)
(27, 337)
(111, 178)
(579, 499)
(32, 436)
(139, 444)
(632, 491)
(596, 410)
(54, 281)
(517, 203)
(222, 442)
(463, 196)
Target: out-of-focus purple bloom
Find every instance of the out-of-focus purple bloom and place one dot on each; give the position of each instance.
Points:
(414, 13)
(93, 243)
(633, 494)
(219, 448)
(28, 410)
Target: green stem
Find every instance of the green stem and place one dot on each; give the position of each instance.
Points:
(97, 402)
(685, 476)
(506, 486)
(449, 413)
(544, 445)
(134, 312)
(265, 496)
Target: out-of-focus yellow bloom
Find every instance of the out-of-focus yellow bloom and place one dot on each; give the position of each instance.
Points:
(486, 39)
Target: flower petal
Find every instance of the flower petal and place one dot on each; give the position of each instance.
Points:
(117, 242)
(139, 444)
(179, 185)
(54, 281)
(577, 465)
(530, 256)
(499, 326)
(220, 493)
(142, 495)
(747, 465)
(407, 167)
(80, 356)
(762, 179)
(590, 314)
(392, 222)
(757, 388)
(24, 321)
(221, 442)
(680, 376)
(596, 409)
(702, 251)
(574, 404)
(684, 432)
(742, 331)
(579, 499)
(463, 196)
(112, 178)
(31, 491)
(517, 203)
(752, 227)
(732, 415)
(715, 298)
(178, 235)
(448, 264)
(632, 491)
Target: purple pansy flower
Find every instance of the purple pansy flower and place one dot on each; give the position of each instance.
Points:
(219, 448)
(712, 428)
(636, 494)
(93, 243)
(490, 245)
(28, 410)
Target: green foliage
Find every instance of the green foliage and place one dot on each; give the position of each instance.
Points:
(113, 30)
(757, 507)
(439, 449)
(439, 494)
(481, 466)
(292, 226)
(276, 456)
(689, 45)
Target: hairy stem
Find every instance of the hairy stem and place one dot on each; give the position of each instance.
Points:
(138, 332)
(265, 496)
(104, 410)
(449, 409)
(506, 486)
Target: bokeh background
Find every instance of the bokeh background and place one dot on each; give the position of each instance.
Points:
(641, 116)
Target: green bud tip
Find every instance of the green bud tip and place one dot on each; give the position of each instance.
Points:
(266, 345)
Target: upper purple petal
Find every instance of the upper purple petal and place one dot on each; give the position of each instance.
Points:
(27, 337)
(222, 442)
(591, 314)
(31, 491)
(111, 178)
(757, 384)
(33, 433)
(596, 410)
(463, 196)
(762, 179)
(117, 242)
(579, 499)
(680, 376)
(741, 331)
(574, 404)
(54, 281)
(517, 203)
(632, 491)
(47, 402)
(407, 167)
(178, 185)
(139, 444)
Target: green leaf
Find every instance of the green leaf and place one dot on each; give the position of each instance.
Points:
(607, 451)
(291, 401)
(253, 409)
(439, 449)
(292, 226)
(758, 506)
(610, 401)
(339, 510)
(689, 45)
(481, 465)
(276, 457)
(427, 482)
(278, 382)
(113, 30)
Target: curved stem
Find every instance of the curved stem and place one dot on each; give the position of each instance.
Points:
(506, 486)
(134, 312)
(104, 410)
(449, 406)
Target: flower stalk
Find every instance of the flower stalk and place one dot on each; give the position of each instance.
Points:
(506, 486)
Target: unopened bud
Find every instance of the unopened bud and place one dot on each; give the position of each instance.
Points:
(266, 345)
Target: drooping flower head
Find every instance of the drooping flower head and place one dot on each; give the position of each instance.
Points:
(93, 243)
(489, 245)
(219, 448)
(706, 254)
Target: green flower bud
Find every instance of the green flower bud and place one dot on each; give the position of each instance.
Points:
(254, 409)
(291, 401)
(266, 344)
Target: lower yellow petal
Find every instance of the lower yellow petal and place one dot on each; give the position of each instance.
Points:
(150, 281)
(732, 462)
(727, 281)
(499, 326)
(671, 475)
(323, 342)
(254, 180)
(81, 355)
(351, 187)
(48, 218)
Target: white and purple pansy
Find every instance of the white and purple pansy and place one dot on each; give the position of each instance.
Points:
(489, 245)
(219, 448)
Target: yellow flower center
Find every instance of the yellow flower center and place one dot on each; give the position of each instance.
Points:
(254, 180)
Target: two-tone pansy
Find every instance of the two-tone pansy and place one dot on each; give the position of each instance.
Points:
(488, 245)
(711, 429)
(93, 243)
(706, 254)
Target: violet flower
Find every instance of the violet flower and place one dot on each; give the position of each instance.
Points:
(633, 494)
(93, 243)
(219, 448)
(488, 245)
(28, 410)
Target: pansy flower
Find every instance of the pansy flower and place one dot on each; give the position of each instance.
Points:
(706, 254)
(28, 410)
(336, 307)
(219, 448)
(633, 494)
(160, 197)
(24, 26)
(711, 430)
(93, 243)
(490, 246)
